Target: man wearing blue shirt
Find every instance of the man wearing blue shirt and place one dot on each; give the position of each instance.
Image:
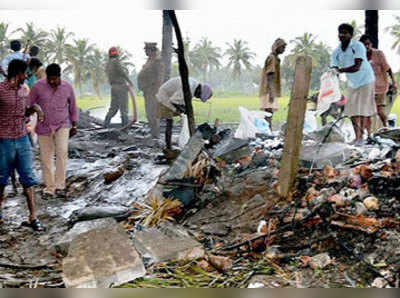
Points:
(351, 58)
(15, 46)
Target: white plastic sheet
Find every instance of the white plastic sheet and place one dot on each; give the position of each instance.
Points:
(251, 123)
(329, 91)
(185, 134)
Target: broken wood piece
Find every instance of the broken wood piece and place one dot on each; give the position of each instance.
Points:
(295, 123)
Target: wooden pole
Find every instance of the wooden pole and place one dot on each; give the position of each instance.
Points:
(371, 26)
(295, 123)
(166, 52)
(184, 72)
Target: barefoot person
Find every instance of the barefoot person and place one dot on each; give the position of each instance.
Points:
(270, 87)
(170, 97)
(15, 147)
(149, 81)
(382, 70)
(350, 57)
(57, 99)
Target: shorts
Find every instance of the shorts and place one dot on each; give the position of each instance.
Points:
(16, 154)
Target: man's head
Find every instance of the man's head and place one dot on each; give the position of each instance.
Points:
(15, 45)
(345, 32)
(34, 64)
(53, 73)
(33, 51)
(113, 52)
(203, 91)
(17, 71)
(279, 46)
(150, 48)
(366, 40)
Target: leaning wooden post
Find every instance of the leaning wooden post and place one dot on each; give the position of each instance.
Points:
(295, 123)
(184, 73)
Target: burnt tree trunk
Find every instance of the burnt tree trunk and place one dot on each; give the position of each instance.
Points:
(166, 52)
(371, 26)
(184, 72)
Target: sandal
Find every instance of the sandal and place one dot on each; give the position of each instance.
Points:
(34, 225)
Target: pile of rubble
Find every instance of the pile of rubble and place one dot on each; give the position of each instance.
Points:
(214, 217)
(343, 211)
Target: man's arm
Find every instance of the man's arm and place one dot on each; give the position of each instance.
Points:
(394, 85)
(124, 74)
(73, 113)
(351, 69)
(35, 109)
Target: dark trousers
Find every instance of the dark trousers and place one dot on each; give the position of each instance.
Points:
(119, 101)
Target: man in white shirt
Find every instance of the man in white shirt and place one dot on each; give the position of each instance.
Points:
(172, 103)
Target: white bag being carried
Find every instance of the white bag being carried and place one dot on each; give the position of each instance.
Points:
(185, 134)
(251, 123)
(329, 92)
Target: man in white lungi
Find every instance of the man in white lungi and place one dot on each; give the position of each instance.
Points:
(350, 57)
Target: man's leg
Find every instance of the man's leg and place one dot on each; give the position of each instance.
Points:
(24, 165)
(46, 144)
(151, 106)
(113, 108)
(124, 106)
(367, 125)
(61, 144)
(168, 133)
(380, 106)
(269, 119)
(7, 167)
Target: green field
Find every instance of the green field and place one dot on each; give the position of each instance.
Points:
(224, 108)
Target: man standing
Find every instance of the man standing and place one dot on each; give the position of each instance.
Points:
(171, 99)
(15, 148)
(120, 85)
(149, 81)
(350, 57)
(57, 99)
(270, 87)
(15, 46)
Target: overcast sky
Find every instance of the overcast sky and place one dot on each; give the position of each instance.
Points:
(130, 25)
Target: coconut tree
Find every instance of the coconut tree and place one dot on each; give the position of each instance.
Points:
(78, 56)
(125, 59)
(239, 56)
(358, 29)
(4, 38)
(394, 31)
(96, 66)
(58, 44)
(205, 56)
(35, 35)
(304, 44)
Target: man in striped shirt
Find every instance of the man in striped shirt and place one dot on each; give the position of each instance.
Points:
(15, 148)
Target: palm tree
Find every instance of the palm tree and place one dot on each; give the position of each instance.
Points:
(304, 44)
(96, 66)
(125, 58)
(394, 31)
(4, 38)
(358, 29)
(78, 56)
(239, 56)
(35, 36)
(58, 43)
(205, 56)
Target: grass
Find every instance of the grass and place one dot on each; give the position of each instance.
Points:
(226, 109)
